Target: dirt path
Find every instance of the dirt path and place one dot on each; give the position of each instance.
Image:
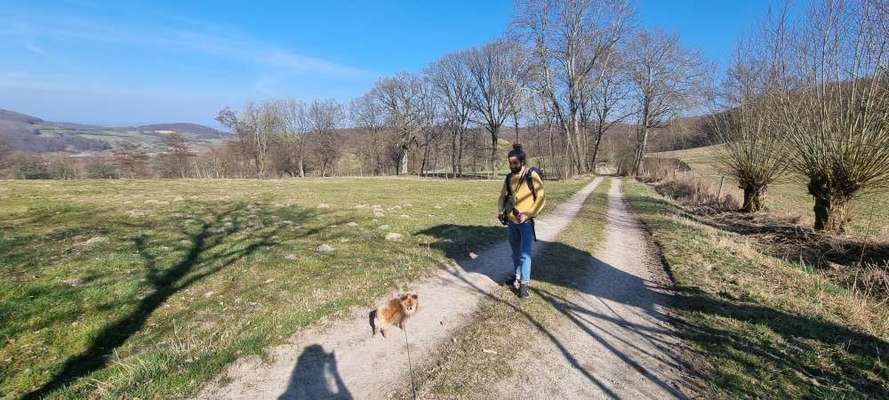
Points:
(611, 339)
(341, 360)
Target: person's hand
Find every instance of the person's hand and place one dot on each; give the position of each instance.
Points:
(522, 217)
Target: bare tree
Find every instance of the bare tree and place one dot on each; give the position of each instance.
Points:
(255, 128)
(496, 92)
(571, 41)
(608, 102)
(176, 159)
(432, 123)
(368, 115)
(454, 85)
(753, 147)
(754, 151)
(835, 106)
(401, 98)
(667, 79)
(291, 152)
(324, 117)
(130, 158)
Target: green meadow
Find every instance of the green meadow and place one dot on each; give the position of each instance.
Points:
(148, 288)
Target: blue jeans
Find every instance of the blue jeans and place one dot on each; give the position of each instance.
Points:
(521, 238)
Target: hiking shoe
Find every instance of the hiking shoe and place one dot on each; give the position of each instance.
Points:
(523, 291)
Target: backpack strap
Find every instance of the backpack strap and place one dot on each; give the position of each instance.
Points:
(508, 186)
(530, 181)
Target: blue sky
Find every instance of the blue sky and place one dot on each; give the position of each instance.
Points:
(127, 62)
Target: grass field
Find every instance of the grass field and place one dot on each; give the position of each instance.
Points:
(146, 289)
(789, 197)
(762, 327)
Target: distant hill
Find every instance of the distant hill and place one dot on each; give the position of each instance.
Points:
(32, 134)
(6, 115)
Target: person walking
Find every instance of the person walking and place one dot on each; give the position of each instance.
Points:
(521, 199)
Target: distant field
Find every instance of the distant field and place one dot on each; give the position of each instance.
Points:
(789, 197)
(146, 289)
(147, 139)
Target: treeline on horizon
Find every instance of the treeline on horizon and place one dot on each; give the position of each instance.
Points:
(564, 79)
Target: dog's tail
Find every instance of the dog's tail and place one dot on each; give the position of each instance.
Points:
(372, 317)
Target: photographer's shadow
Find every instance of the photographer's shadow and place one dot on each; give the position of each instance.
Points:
(316, 376)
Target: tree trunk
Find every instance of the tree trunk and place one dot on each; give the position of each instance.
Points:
(573, 151)
(402, 164)
(640, 149)
(424, 161)
(493, 151)
(460, 153)
(595, 155)
(454, 154)
(830, 207)
(552, 155)
(753, 195)
(831, 214)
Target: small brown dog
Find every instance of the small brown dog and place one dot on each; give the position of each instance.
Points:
(394, 313)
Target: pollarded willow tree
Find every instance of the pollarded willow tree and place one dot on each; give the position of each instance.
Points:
(835, 109)
(754, 151)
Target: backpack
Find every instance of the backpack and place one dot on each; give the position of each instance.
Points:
(528, 180)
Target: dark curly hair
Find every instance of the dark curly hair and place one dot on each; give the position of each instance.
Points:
(517, 152)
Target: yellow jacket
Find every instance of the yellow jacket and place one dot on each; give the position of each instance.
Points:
(525, 202)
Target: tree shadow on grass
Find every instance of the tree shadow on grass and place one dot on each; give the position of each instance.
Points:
(801, 336)
(315, 372)
(208, 252)
(857, 364)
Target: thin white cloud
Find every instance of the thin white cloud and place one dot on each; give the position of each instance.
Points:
(34, 48)
(166, 34)
(58, 83)
(304, 63)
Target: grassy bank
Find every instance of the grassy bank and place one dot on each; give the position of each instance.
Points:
(788, 197)
(146, 289)
(764, 327)
(487, 346)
